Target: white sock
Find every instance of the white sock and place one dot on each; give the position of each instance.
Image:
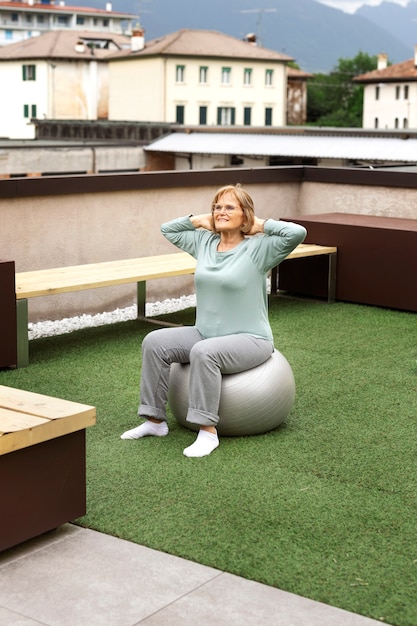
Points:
(205, 443)
(146, 429)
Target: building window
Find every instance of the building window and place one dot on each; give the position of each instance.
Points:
(226, 116)
(247, 111)
(29, 18)
(8, 35)
(40, 19)
(247, 76)
(105, 22)
(203, 74)
(203, 115)
(29, 72)
(179, 73)
(80, 20)
(269, 75)
(29, 109)
(179, 115)
(405, 92)
(377, 92)
(268, 116)
(405, 123)
(397, 122)
(226, 75)
(62, 20)
(15, 17)
(397, 93)
(376, 123)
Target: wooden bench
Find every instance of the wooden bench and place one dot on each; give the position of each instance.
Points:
(49, 282)
(93, 275)
(42, 463)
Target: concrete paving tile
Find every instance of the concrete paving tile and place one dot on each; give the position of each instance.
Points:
(9, 618)
(229, 600)
(90, 578)
(64, 532)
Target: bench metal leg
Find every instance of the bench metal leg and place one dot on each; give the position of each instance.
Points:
(22, 333)
(141, 299)
(331, 281)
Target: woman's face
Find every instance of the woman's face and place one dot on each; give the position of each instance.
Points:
(227, 214)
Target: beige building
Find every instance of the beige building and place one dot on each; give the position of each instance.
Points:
(198, 77)
(390, 94)
(30, 18)
(58, 75)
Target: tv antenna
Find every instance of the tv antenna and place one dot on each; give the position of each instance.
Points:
(260, 13)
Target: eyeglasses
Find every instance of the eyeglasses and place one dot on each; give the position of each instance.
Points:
(228, 208)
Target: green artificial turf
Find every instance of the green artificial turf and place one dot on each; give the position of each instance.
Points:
(325, 506)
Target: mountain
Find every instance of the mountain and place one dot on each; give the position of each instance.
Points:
(317, 36)
(397, 20)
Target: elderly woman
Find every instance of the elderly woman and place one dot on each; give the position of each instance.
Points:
(235, 251)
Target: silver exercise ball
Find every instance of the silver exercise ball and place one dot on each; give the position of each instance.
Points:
(252, 402)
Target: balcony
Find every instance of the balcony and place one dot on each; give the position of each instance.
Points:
(322, 511)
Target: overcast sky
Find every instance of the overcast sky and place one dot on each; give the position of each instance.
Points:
(350, 6)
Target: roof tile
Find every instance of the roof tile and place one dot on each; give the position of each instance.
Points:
(400, 71)
(205, 43)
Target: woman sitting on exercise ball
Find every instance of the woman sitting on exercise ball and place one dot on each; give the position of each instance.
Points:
(235, 251)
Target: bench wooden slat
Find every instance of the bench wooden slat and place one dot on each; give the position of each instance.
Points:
(28, 418)
(105, 274)
(108, 273)
(39, 404)
(13, 421)
(51, 429)
(309, 249)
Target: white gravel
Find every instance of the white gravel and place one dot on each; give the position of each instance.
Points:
(68, 325)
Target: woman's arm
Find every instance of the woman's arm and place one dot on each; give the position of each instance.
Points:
(258, 226)
(205, 220)
(280, 238)
(186, 232)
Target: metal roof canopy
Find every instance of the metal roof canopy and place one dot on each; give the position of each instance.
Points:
(245, 144)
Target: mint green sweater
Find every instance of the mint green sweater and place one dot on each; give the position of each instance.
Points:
(231, 287)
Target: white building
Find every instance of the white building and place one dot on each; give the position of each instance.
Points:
(28, 18)
(390, 94)
(198, 77)
(58, 75)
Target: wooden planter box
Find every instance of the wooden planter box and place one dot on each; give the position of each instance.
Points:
(376, 260)
(42, 463)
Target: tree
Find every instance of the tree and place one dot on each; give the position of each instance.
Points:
(334, 99)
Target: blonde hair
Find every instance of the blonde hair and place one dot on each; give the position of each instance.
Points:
(244, 200)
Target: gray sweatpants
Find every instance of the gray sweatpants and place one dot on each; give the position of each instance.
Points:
(208, 358)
